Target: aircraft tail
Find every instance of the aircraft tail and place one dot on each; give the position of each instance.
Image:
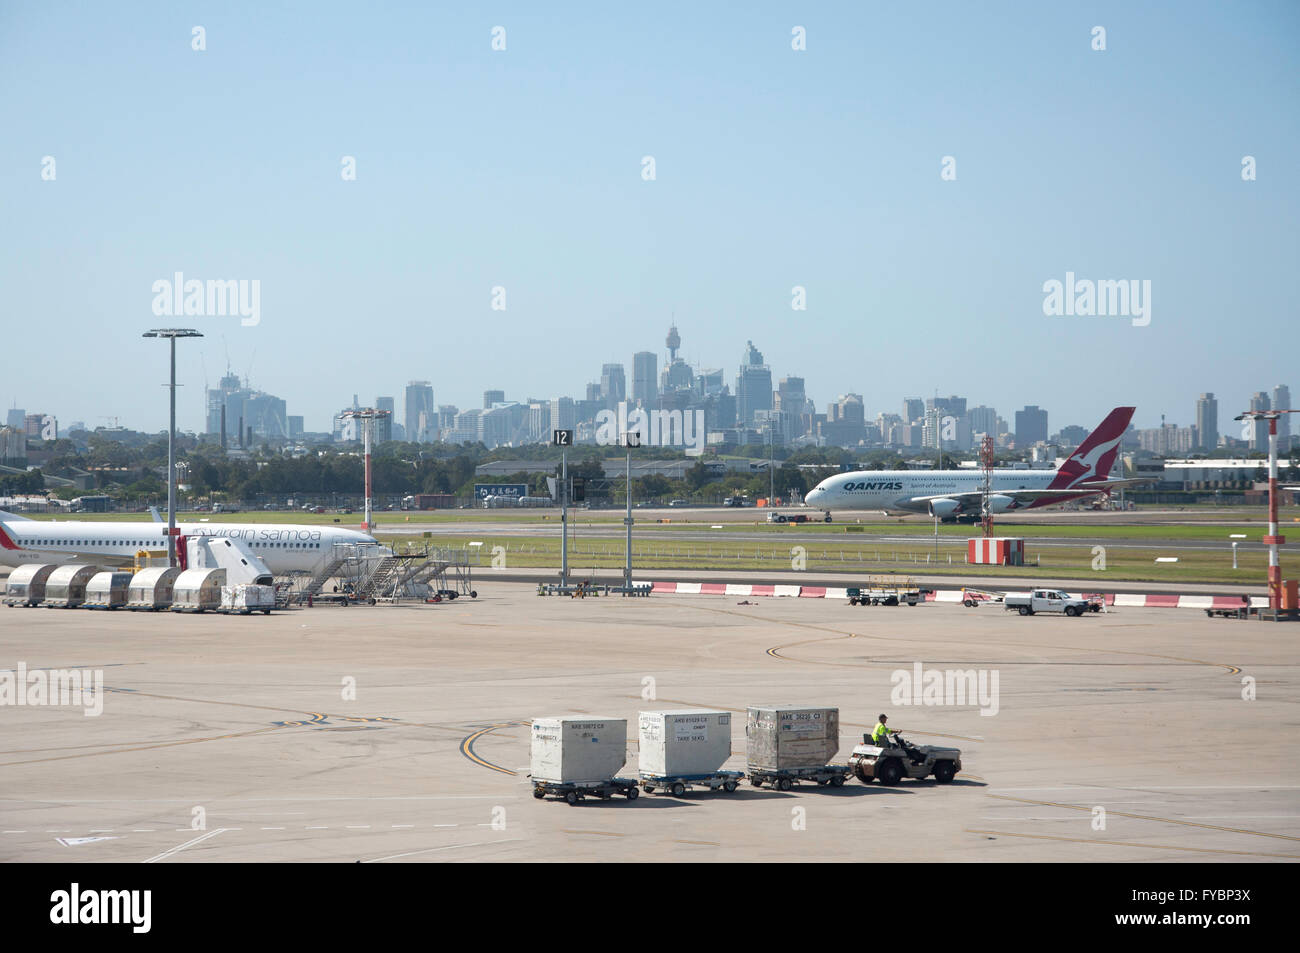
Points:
(1093, 460)
(157, 517)
(13, 517)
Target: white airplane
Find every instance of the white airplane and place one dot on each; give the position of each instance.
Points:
(278, 548)
(956, 494)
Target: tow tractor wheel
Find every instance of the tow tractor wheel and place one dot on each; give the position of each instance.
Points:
(889, 771)
(1024, 610)
(572, 797)
(944, 771)
(678, 789)
(784, 784)
(728, 786)
(632, 793)
(757, 782)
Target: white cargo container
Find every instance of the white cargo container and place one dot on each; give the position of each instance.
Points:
(66, 586)
(26, 584)
(198, 589)
(247, 598)
(687, 742)
(570, 749)
(785, 737)
(151, 588)
(107, 590)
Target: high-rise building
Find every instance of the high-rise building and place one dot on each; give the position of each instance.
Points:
(984, 420)
(1031, 425)
(419, 400)
(1282, 401)
(613, 385)
(563, 414)
(491, 397)
(1259, 437)
(254, 411)
(753, 386)
(1207, 421)
(383, 431)
(791, 399)
(295, 427)
(645, 378)
(17, 418)
(913, 410)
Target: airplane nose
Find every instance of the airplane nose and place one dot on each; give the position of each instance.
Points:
(813, 496)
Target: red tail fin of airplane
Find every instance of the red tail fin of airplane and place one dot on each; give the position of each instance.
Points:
(1097, 454)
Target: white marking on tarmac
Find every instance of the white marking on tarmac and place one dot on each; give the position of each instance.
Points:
(180, 847)
(428, 850)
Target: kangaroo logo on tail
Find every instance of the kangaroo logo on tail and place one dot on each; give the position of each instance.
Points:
(1096, 455)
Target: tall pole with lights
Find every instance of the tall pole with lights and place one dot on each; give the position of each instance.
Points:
(171, 334)
(1274, 539)
(367, 417)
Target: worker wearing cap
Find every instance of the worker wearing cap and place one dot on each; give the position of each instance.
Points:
(880, 734)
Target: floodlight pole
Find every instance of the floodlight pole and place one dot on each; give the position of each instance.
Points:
(1274, 539)
(171, 334)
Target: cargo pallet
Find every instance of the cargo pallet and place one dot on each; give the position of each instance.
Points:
(677, 785)
(575, 791)
(783, 780)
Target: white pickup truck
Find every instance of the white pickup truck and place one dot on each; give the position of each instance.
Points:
(1047, 600)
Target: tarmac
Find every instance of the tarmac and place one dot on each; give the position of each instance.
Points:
(400, 733)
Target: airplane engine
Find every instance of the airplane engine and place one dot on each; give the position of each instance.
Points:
(944, 508)
(1000, 504)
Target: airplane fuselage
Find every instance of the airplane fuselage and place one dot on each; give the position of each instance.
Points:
(897, 490)
(283, 548)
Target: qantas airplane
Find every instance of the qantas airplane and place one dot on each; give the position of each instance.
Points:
(283, 549)
(957, 494)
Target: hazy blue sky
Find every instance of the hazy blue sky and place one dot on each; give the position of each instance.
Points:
(775, 168)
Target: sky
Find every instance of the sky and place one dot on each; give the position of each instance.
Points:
(774, 168)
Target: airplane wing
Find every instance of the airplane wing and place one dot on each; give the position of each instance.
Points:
(976, 496)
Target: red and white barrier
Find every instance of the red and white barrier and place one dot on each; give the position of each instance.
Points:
(1134, 600)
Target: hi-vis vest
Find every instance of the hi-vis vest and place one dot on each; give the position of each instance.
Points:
(880, 733)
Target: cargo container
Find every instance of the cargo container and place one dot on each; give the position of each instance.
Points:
(26, 584)
(782, 737)
(197, 590)
(247, 598)
(578, 749)
(66, 586)
(108, 590)
(152, 589)
(683, 743)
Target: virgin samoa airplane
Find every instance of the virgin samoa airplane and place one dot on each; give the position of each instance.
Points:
(266, 548)
(958, 494)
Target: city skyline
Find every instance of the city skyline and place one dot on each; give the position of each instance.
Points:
(881, 212)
